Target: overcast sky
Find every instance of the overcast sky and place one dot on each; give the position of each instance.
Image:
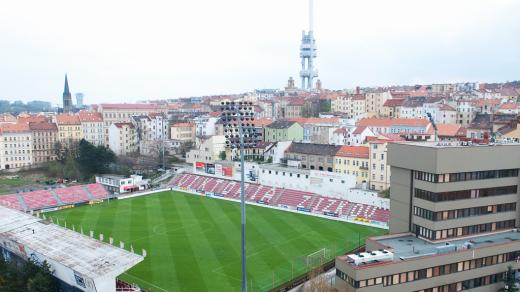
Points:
(116, 51)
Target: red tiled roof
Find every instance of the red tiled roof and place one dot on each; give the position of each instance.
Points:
(262, 122)
(32, 119)
(451, 130)
(385, 122)
(7, 118)
(353, 151)
(358, 97)
(186, 124)
(510, 105)
(43, 126)
(125, 106)
(66, 119)
(14, 128)
(394, 102)
(340, 131)
(214, 114)
(446, 107)
(399, 94)
(486, 101)
(359, 130)
(86, 116)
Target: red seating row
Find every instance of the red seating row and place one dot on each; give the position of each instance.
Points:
(281, 197)
(10, 201)
(43, 199)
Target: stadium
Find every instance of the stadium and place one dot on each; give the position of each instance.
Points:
(189, 233)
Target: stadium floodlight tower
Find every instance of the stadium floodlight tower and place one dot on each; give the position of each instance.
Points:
(308, 53)
(240, 132)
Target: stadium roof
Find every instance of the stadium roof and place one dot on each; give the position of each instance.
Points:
(90, 257)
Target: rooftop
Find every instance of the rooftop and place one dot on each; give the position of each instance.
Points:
(66, 119)
(313, 149)
(280, 124)
(90, 257)
(85, 116)
(407, 246)
(14, 128)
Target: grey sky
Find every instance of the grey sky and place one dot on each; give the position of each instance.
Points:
(128, 50)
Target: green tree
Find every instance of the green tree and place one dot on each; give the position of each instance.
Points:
(93, 159)
(42, 280)
(509, 281)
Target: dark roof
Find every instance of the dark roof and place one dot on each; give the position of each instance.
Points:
(481, 121)
(313, 149)
(280, 124)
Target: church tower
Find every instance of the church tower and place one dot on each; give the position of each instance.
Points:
(67, 98)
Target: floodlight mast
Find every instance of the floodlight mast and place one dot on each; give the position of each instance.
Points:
(240, 115)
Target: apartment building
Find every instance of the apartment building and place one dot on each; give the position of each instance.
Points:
(392, 107)
(123, 112)
(122, 138)
(375, 101)
(15, 146)
(283, 130)
(454, 221)
(353, 160)
(92, 127)
(183, 132)
(44, 139)
(208, 151)
(312, 156)
(69, 129)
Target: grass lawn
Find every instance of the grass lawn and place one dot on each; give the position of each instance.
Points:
(7, 184)
(193, 242)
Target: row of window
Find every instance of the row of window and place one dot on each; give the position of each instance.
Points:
(468, 284)
(17, 138)
(463, 231)
(11, 152)
(464, 194)
(464, 176)
(461, 213)
(15, 145)
(427, 273)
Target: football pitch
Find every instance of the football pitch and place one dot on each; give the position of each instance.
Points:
(193, 242)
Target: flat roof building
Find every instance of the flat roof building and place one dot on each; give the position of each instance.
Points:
(454, 221)
(81, 262)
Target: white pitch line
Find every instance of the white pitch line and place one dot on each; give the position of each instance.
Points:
(146, 282)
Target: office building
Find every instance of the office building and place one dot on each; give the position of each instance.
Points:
(453, 224)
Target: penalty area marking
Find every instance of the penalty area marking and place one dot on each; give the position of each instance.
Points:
(135, 277)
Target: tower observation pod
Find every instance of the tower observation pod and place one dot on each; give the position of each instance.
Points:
(308, 54)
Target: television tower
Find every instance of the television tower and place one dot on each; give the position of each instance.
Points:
(308, 53)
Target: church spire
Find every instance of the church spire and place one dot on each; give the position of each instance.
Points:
(66, 90)
(67, 98)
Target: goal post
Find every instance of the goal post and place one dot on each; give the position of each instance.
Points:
(318, 257)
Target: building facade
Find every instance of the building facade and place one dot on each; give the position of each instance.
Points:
(15, 146)
(44, 139)
(352, 160)
(92, 127)
(69, 129)
(123, 138)
(453, 222)
(283, 130)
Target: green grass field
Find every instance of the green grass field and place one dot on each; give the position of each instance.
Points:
(193, 243)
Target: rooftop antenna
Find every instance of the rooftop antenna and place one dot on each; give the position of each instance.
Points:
(311, 15)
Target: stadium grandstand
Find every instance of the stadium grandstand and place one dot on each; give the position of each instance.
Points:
(283, 198)
(78, 262)
(53, 198)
